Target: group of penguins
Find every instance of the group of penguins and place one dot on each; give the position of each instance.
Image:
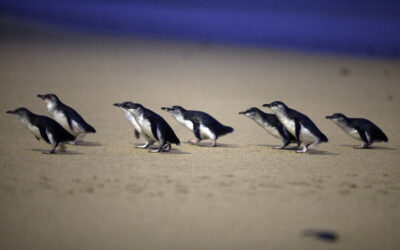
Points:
(287, 124)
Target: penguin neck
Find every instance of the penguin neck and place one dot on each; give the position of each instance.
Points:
(343, 123)
(52, 106)
(26, 119)
(281, 114)
(180, 118)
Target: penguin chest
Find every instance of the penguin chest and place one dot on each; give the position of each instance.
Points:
(271, 130)
(132, 120)
(32, 128)
(61, 119)
(289, 124)
(185, 123)
(206, 133)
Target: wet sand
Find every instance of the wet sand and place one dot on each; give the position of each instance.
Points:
(242, 194)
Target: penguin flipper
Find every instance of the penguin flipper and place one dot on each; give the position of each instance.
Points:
(43, 133)
(361, 132)
(196, 130)
(297, 130)
(69, 121)
(154, 129)
(137, 134)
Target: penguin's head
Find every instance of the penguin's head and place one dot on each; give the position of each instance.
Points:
(251, 112)
(336, 117)
(276, 106)
(122, 105)
(134, 108)
(49, 98)
(174, 110)
(21, 112)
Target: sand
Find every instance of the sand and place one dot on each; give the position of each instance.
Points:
(242, 194)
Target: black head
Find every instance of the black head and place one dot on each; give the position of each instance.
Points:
(19, 111)
(275, 104)
(49, 98)
(250, 112)
(131, 106)
(174, 109)
(336, 116)
(122, 104)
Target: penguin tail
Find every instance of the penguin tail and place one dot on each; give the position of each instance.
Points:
(90, 129)
(223, 130)
(324, 138)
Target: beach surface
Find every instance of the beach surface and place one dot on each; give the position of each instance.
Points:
(243, 194)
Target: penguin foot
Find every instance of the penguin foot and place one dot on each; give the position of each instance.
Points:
(166, 148)
(279, 147)
(155, 150)
(213, 144)
(304, 150)
(362, 147)
(146, 145)
(49, 152)
(194, 141)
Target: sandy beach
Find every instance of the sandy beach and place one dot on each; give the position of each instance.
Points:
(242, 194)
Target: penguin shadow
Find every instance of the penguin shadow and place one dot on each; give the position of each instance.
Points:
(44, 151)
(323, 235)
(294, 148)
(207, 145)
(272, 146)
(320, 152)
(176, 152)
(370, 148)
(173, 151)
(87, 144)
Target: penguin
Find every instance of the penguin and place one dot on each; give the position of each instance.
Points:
(67, 117)
(203, 125)
(271, 124)
(136, 128)
(43, 127)
(360, 129)
(298, 124)
(153, 127)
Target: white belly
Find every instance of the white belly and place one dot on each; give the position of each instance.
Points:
(145, 127)
(306, 136)
(33, 129)
(353, 133)
(206, 133)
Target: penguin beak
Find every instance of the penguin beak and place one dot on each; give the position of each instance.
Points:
(166, 108)
(267, 105)
(10, 112)
(242, 113)
(329, 117)
(40, 96)
(117, 104)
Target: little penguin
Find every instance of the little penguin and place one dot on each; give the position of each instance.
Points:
(67, 117)
(203, 125)
(299, 125)
(360, 129)
(153, 127)
(43, 127)
(271, 124)
(136, 128)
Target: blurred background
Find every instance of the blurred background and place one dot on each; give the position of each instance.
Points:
(366, 28)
